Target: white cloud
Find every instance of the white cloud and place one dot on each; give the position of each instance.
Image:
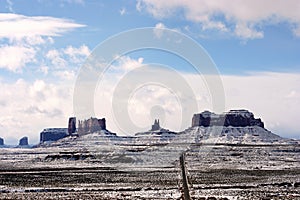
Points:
(61, 64)
(152, 101)
(14, 58)
(125, 64)
(26, 108)
(158, 31)
(151, 93)
(271, 96)
(36, 40)
(274, 97)
(77, 54)
(214, 25)
(244, 31)
(29, 107)
(23, 38)
(69, 55)
(64, 61)
(246, 15)
(56, 59)
(20, 26)
(65, 74)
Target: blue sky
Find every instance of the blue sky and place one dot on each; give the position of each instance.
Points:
(278, 50)
(43, 44)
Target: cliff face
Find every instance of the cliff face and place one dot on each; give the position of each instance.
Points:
(23, 141)
(53, 134)
(235, 118)
(1, 141)
(72, 125)
(91, 125)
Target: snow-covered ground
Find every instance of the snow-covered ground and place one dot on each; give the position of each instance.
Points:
(245, 162)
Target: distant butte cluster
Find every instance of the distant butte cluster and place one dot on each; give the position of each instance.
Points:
(84, 127)
(234, 118)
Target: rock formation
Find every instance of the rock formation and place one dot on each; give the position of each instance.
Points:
(235, 118)
(1, 141)
(155, 126)
(72, 125)
(156, 130)
(23, 141)
(53, 134)
(91, 125)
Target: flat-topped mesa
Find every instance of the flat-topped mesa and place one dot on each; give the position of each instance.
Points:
(235, 118)
(53, 134)
(91, 125)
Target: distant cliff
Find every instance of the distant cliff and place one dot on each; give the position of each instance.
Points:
(53, 134)
(235, 118)
(23, 141)
(91, 125)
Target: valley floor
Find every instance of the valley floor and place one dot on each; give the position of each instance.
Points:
(220, 171)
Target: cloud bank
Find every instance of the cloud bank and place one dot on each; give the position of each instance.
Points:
(28, 107)
(39, 92)
(245, 19)
(271, 96)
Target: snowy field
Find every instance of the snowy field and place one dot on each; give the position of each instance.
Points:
(94, 166)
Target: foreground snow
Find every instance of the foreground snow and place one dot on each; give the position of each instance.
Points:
(221, 162)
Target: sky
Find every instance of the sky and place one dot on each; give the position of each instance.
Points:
(255, 46)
